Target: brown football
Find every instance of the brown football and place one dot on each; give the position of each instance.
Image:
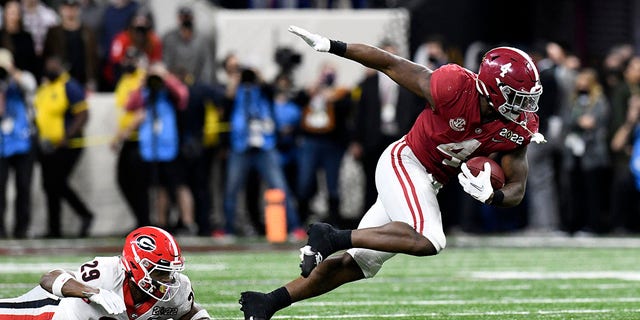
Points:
(476, 164)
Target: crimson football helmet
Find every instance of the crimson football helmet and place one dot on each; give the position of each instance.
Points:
(510, 80)
(153, 259)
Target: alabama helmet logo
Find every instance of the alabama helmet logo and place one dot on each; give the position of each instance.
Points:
(504, 69)
(146, 243)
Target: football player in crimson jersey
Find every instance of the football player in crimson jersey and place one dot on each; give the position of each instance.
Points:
(144, 283)
(466, 115)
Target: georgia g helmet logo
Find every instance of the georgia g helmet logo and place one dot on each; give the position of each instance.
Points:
(146, 243)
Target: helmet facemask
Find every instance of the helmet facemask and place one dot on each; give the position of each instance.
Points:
(161, 279)
(517, 102)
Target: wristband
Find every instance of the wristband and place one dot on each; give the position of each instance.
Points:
(498, 197)
(337, 47)
(58, 283)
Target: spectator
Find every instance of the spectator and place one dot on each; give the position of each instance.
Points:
(431, 53)
(91, 14)
(253, 144)
(323, 143)
(61, 115)
(16, 141)
(37, 18)
(613, 66)
(18, 41)
(75, 43)
(624, 205)
(287, 114)
(586, 155)
(116, 18)
(227, 76)
(139, 35)
(156, 104)
(185, 48)
(195, 158)
(384, 112)
(627, 139)
(543, 184)
(130, 169)
(546, 174)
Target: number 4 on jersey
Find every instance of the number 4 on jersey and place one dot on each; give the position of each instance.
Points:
(458, 151)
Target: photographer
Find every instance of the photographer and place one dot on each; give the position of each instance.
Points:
(325, 132)
(16, 151)
(156, 104)
(253, 145)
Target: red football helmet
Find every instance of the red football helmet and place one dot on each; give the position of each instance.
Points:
(510, 80)
(152, 258)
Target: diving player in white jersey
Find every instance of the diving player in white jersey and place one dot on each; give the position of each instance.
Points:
(145, 283)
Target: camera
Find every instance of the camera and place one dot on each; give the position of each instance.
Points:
(248, 76)
(154, 83)
(287, 59)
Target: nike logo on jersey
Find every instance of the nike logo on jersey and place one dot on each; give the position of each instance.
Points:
(497, 140)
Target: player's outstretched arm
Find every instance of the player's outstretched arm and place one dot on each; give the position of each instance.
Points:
(406, 73)
(63, 285)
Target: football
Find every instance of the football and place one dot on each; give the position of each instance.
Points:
(476, 164)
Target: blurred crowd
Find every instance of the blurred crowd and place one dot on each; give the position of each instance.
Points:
(194, 128)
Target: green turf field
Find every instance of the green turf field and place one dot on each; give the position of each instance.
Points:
(460, 283)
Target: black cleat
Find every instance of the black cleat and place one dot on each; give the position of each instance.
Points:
(255, 305)
(319, 247)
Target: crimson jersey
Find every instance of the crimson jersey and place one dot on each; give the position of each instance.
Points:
(445, 137)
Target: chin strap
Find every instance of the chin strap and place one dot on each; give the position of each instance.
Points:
(536, 137)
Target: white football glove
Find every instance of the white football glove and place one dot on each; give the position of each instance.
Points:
(316, 41)
(109, 300)
(479, 187)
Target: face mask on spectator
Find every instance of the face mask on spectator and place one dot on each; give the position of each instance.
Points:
(187, 24)
(51, 74)
(128, 68)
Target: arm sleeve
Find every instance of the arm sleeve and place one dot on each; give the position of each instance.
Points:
(178, 90)
(135, 102)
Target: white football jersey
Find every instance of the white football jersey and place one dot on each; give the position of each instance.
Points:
(108, 273)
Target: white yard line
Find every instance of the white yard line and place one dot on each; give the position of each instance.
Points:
(456, 314)
(548, 275)
(505, 301)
